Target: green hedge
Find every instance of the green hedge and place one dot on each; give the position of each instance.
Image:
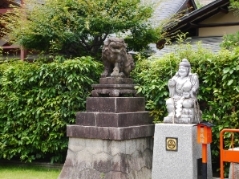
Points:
(219, 86)
(37, 100)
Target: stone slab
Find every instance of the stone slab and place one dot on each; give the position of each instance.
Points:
(112, 133)
(108, 119)
(110, 80)
(182, 163)
(113, 92)
(114, 86)
(115, 104)
(108, 159)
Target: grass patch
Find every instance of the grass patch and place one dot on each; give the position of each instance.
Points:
(27, 172)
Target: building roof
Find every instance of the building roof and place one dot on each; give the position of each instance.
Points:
(204, 2)
(190, 23)
(165, 9)
(210, 43)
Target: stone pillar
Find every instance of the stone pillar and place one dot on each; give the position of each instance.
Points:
(177, 153)
(113, 138)
(234, 168)
(234, 171)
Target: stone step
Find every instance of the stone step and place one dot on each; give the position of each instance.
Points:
(115, 104)
(110, 133)
(110, 80)
(108, 119)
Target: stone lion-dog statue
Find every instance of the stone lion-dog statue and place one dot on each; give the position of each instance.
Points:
(117, 62)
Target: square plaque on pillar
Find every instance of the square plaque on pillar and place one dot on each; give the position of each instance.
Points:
(171, 144)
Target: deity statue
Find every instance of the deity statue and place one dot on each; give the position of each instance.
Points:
(182, 105)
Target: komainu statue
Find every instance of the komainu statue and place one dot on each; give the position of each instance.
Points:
(117, 62)
(182, 105)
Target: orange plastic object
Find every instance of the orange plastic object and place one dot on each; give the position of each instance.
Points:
(204, 134)
(204, 153)
(227, 155)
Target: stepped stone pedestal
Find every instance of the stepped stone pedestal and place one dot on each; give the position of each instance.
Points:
(177, 153)
(112, 139)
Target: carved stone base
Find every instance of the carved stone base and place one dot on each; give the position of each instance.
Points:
(111, 80)
(108, 159)
(114, 87)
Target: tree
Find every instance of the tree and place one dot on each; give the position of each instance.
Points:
(234, 4)
(79, 27)
(231, 41)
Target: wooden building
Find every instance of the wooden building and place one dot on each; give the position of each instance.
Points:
(207, 24)
(9, 49)
(214, 19)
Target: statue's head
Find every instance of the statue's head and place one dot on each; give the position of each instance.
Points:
(115, 45)
(184, 68)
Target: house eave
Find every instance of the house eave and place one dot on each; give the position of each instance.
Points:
(191, 20)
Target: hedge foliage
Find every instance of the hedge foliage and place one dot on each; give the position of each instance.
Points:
(37, 100)
(219, 86)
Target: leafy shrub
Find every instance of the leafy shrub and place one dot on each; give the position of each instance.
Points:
(230, 41)
(234, 5)
(37, 100)
(219, 89)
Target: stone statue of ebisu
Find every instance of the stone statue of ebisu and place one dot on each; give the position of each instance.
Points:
(182, 106)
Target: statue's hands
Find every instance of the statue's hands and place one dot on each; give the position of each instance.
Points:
(171, 83)
(193, 92)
